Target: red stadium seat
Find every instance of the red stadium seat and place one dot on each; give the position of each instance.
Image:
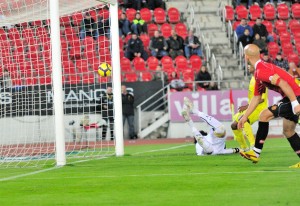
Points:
(280, 26)
(159, 15)
(45, 80)
(139, 64)
(251, 23)
(71, 34)
(146, 15)
(68, 67)
(269, 12)
(294, 26)
(146, 76)
(77, 18)
(229, 13)
(296, 37)
(3, 35)
(41, 32)
(283, 11)
(166, 30)
(151, 29)
(268, 25)
(17, 82)
(235, 25)
(31, 81)
(13, 33)
(174, 15)
(287, 49)
(293, 57)
(285, 37)
(126, 65)
(65, 21)
(131, 77)
(82, 66)
(88, 78)
(104, 13)
(103, 42)
(130, 13)
(152, 63)
(167, 63)
(255, 12)
(241, 12)
(145, 39)
(181, 30)
(195, 62)
(273, 49)
(181, 63)
(189, 78)
(74, 79)
(296, 10)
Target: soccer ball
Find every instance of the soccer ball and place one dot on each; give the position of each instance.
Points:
(104, 70)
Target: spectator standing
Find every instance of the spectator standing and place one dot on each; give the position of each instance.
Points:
(135, 48)
(293, 70)
(124, 26)
(261, 29)
(280, 62)
(88, 27)
(107, 110)
(240, 29)
(175, 44)
(192, 45)
(138, 25)
(262, 45)
(158, 45)
(245, 39)
(128, 111)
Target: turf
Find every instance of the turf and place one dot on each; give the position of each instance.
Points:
(161, 175)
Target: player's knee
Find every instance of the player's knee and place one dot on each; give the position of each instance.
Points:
(266, 115)
(234, 126)
(289, 130)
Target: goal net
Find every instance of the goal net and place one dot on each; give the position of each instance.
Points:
(28, 132)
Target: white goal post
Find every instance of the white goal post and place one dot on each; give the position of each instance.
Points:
(54, 107)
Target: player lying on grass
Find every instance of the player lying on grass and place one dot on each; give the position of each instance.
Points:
(247, 130)
(212, 142)
(277, 79)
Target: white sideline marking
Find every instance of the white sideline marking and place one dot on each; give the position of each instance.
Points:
(79, 161)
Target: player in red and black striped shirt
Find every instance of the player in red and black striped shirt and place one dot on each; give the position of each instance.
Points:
(277, 79)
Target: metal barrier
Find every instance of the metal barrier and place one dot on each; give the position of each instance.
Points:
(219, 76)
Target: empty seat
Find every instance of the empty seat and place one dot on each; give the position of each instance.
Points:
(296, 10)
(82, 66)
(285, 37)
(145, 39)
(283, 11)
(14, 33)
(146, 76)
(195, 62)
(77, 18)
(229, 13)
(65, 21)
(131, 77)
(104, 13)
(146, 15)
(74, 79)
(152, 63)
(273, 49)
(268, 25)
(166, 30)
(280, 26)
(125, 65)
(151, 29)
(255, 12)
(181, 30)
(173, 15)
(269, 12)
(241, 12)
(45, 80)
(139, 64)
(68, 67)
(181, 63)
(294, 26)
(88, 78)
(159, 15)
(293, 57)
(287, 49)
(130, 13)
(167, 63)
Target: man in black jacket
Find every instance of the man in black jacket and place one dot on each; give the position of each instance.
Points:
(128, 111)
(107, 110)
(158, 45)
(135, 48)
(259, 28)
(175, 44)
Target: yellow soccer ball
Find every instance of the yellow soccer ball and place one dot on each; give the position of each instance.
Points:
(104, 70)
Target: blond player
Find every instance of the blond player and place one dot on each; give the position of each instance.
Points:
(247, 130)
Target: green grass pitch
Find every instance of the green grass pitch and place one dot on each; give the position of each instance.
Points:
(167, 174)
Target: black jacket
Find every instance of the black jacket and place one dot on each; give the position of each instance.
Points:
(195, 41)
(203, 76)
(245, 40)
(261, 30)
(175, 44)
(135, 46)
(107, 106)
(158, 43)
(127, 104)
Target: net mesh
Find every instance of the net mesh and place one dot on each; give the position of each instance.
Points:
(26, 103)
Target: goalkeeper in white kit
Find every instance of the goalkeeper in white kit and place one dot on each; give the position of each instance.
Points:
(212, 142)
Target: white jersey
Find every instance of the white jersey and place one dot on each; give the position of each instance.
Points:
(218, 144)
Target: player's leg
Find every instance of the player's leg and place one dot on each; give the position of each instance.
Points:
(249, 134)
(238, 134)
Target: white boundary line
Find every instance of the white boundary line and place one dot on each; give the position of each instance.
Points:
(79, 161)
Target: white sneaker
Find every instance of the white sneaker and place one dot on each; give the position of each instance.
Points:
(188, 103)
(186, 114)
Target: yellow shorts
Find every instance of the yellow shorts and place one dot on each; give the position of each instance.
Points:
(252, 118)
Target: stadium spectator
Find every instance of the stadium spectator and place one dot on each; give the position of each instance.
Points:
(135, 48)
(175, 44)
(240, 29)
(204, 75)
(5, 80)
(294, 70)
(107, 111)
(128, 111)
(103, 27)
(245, 39)
(266, 58)
(262, 45)
(280, 62)
(88, 27)
(138, 25)
(272, 77)
(160, 75)
(212, 142)
(153, 4)
(176, 82)
(261, 29)
(158, 45)
(192, 45)
(124, 26)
